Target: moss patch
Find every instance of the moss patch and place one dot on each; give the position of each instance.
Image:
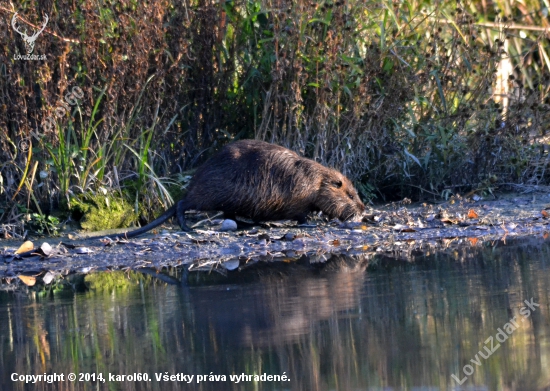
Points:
(114, 280)
(100, 212)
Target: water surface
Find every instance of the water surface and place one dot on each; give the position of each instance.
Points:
(358, 323)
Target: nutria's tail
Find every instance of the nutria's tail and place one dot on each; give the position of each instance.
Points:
(179, 208)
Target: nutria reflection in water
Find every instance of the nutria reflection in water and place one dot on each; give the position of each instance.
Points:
(272, 313)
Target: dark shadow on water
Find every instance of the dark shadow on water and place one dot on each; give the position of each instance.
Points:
(349, 323)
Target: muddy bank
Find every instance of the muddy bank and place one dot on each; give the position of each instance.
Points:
(397, 230)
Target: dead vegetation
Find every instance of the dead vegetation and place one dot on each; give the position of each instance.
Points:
(407, 99)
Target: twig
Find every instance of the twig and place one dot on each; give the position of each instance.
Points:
(511, 26)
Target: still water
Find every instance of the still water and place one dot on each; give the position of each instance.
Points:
(355, 323)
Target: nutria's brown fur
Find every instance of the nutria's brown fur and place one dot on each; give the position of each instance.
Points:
(263, 182)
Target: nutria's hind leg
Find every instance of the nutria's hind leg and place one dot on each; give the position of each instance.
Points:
(180, 214)
(302, 218)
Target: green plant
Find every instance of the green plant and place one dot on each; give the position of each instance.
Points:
(44, 224)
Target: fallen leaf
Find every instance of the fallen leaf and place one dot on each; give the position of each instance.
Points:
(448, 220)
(480, 227)
(27, 280)
(27, 246)
(46, 249)
(403, 228)
(472, 214)
(473, 241)
(48, 278)
(106, 241)
(545, 214)
(83, 250)
(511, 226)
(359, 229)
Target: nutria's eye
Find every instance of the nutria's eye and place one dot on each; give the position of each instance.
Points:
(350, 196)
(338, 184)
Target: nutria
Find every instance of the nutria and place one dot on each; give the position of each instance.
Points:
(264, 182)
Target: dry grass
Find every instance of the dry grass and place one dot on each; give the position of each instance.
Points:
(406, 98)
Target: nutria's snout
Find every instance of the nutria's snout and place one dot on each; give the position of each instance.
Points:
(354, 214)
(337, 198)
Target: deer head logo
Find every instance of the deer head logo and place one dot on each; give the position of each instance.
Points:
(29, 41)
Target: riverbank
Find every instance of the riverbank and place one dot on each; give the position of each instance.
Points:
(398, 230)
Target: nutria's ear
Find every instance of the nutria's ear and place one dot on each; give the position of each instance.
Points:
(338, 184)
